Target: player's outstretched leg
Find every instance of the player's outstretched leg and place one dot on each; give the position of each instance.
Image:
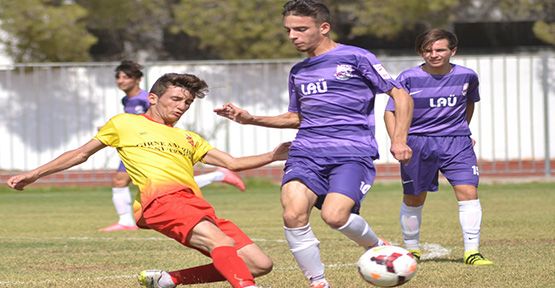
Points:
(358, 230)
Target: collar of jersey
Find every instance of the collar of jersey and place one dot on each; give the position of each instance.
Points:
(147, 117)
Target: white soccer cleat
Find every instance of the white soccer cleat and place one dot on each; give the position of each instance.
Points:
(150, 278)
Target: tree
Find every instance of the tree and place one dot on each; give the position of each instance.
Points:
(128, 28)
(545, 31)
(386, 19)
(235, 28)
(40, 30)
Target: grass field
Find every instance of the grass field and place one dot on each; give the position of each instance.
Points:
(49, 238)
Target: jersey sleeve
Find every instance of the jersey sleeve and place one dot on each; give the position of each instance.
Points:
(201, 146)
(108, 134)
(403, 81)
(293, 99)
(473, 93)
(371, 69)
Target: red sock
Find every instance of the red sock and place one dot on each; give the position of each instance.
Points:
(196, 275)
(232, 267)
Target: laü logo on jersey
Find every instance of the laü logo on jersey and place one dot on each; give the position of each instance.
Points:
(343, 72)
(443, 101)
(319, 86)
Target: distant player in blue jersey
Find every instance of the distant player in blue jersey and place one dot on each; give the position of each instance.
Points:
(135, 101)
(330, 164)
(444, 95)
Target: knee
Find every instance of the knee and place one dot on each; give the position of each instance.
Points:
(119, 181)
(262, 267)
(294, 219)
(334, 218)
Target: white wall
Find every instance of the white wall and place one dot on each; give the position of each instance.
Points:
(51, 108)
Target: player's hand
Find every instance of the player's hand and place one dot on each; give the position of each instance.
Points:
(234, 113)
(18, 182)
(473, 142)
(401, 152)
(281, 152)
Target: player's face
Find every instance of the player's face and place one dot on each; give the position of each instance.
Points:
(171, 105)
(437, 55)
(304, 32)
(126, 83)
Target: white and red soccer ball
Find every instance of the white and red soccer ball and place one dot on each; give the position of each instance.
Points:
(387, 266)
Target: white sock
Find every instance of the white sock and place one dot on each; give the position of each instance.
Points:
(166, 281)
(470, 217)
(205, 179)
(358, 230)
(306, 250)
(411, 219)
(121, 197)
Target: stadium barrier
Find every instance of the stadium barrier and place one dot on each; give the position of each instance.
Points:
(53, 107)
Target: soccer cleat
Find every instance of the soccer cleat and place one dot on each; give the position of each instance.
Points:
(320, 284)
(232, 178)
(475, 258)
(150, 278)
(118, 227)
(381, 242)
(416, 254)
(385, 242)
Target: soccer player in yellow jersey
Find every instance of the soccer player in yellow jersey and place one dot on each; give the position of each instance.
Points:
(159, 159)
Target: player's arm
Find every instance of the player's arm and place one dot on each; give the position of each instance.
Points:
(469, 110)
(65, 161)
(242, 116)
(222, 159)
(403, 117)
(389, 120)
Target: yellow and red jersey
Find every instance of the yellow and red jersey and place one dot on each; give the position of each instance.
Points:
(158, 158)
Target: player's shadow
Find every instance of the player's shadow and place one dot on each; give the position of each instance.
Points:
(441, 260)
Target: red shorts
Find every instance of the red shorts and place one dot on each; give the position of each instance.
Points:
(176, 214)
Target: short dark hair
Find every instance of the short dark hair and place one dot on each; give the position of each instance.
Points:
(130, 68)
(311, 8)
(197, 87)
(433, 35)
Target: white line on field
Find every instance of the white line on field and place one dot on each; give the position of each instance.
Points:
(430, 251)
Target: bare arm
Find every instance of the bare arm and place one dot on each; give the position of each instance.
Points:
(65, 161)
(389, 119)
(239, 115)
(222, 159)
(403, 117)
(469, 110)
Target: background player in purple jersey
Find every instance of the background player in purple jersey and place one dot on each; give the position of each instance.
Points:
(330, 162)
(444, 95)
(135, 101)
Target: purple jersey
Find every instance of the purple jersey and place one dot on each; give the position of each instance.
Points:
(137, 104)
(334, 94)
(439, 100)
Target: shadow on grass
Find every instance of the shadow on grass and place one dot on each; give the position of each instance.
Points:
(442, 260)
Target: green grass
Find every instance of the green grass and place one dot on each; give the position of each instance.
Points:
(49, 238)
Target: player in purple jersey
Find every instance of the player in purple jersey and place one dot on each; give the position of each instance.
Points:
(444, 95)
(330, 162)
(135, 101)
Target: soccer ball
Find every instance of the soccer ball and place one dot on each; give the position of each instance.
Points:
(387, 266)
